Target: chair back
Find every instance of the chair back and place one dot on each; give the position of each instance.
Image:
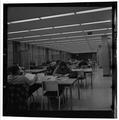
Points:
(41, 76)
(50, 85)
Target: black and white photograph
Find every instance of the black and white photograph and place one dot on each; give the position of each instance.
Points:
(59, 60)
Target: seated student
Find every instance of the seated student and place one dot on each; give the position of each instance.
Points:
(61, 69)
(51, 68)
(19, 88)
(82, 63)
(16, 77)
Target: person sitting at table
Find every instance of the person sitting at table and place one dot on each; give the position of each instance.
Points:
(61, 69)
(19, 87)
(82, 63)
(16, 76)
(51, 68)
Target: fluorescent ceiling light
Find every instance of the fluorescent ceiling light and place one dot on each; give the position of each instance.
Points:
(37, 40)
(51, 34)
(67, 37)
(41, 29)
(94, 10)
(99, 34)
(26, 20)
(55, 16)
(96, 30)
(63, 26)
(94, 38)
(71, 32)
(97, 22)
(15, 38)
(18, 32)
(32, 36)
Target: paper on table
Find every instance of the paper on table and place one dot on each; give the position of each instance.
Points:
(30, 76)
(52, 78)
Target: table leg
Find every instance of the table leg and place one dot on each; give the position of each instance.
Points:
(91, 80)
(71, 97)
(78, 90)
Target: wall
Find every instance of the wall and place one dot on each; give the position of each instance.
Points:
(25, 54)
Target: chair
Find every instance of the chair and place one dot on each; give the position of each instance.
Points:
(81, 77)
(51, 89)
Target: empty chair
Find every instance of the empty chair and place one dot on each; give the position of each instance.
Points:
(51, 89)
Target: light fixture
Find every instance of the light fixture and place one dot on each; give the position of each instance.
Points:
(32, 36)
(37, 40)
(51, 34)
(71, 32)
(57, 27)
(94, 10)
(26, 20)
(18, 32)
(60, 15)
(55, 16)
(47, 28)
(63, 26)
(15, 38)
(97, 22)
(96, 29)
(99, 34)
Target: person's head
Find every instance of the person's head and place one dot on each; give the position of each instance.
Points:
(62, 64)
(14, 70)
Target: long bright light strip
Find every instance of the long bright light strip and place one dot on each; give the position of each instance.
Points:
(26, 20)
(96, 29)
(94, 10)
(15, 38)
(58, 34)
(61, 15)
(71, 32)
(63, 26)
(99, 34)
(32, 36)
(41, 29)
(66, 37)
(91, 23)
(18, 32)
(37, 40)
(51, 34)
(55, 16)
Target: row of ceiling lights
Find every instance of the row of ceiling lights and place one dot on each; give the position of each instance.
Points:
(63, 26)
(61, 15)
(59, 38)
(60, 33)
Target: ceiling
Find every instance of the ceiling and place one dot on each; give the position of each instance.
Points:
(75, 29)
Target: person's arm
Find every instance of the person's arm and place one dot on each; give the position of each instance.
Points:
(30, 82)
(55, 71)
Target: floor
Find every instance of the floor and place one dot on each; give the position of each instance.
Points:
(98, 98)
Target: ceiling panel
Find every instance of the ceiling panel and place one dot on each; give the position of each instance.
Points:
(59, 38)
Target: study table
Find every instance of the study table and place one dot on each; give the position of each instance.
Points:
(63, 81)
(35, 71)
(85, 70)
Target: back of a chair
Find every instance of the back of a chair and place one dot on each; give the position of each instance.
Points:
(50, 85)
